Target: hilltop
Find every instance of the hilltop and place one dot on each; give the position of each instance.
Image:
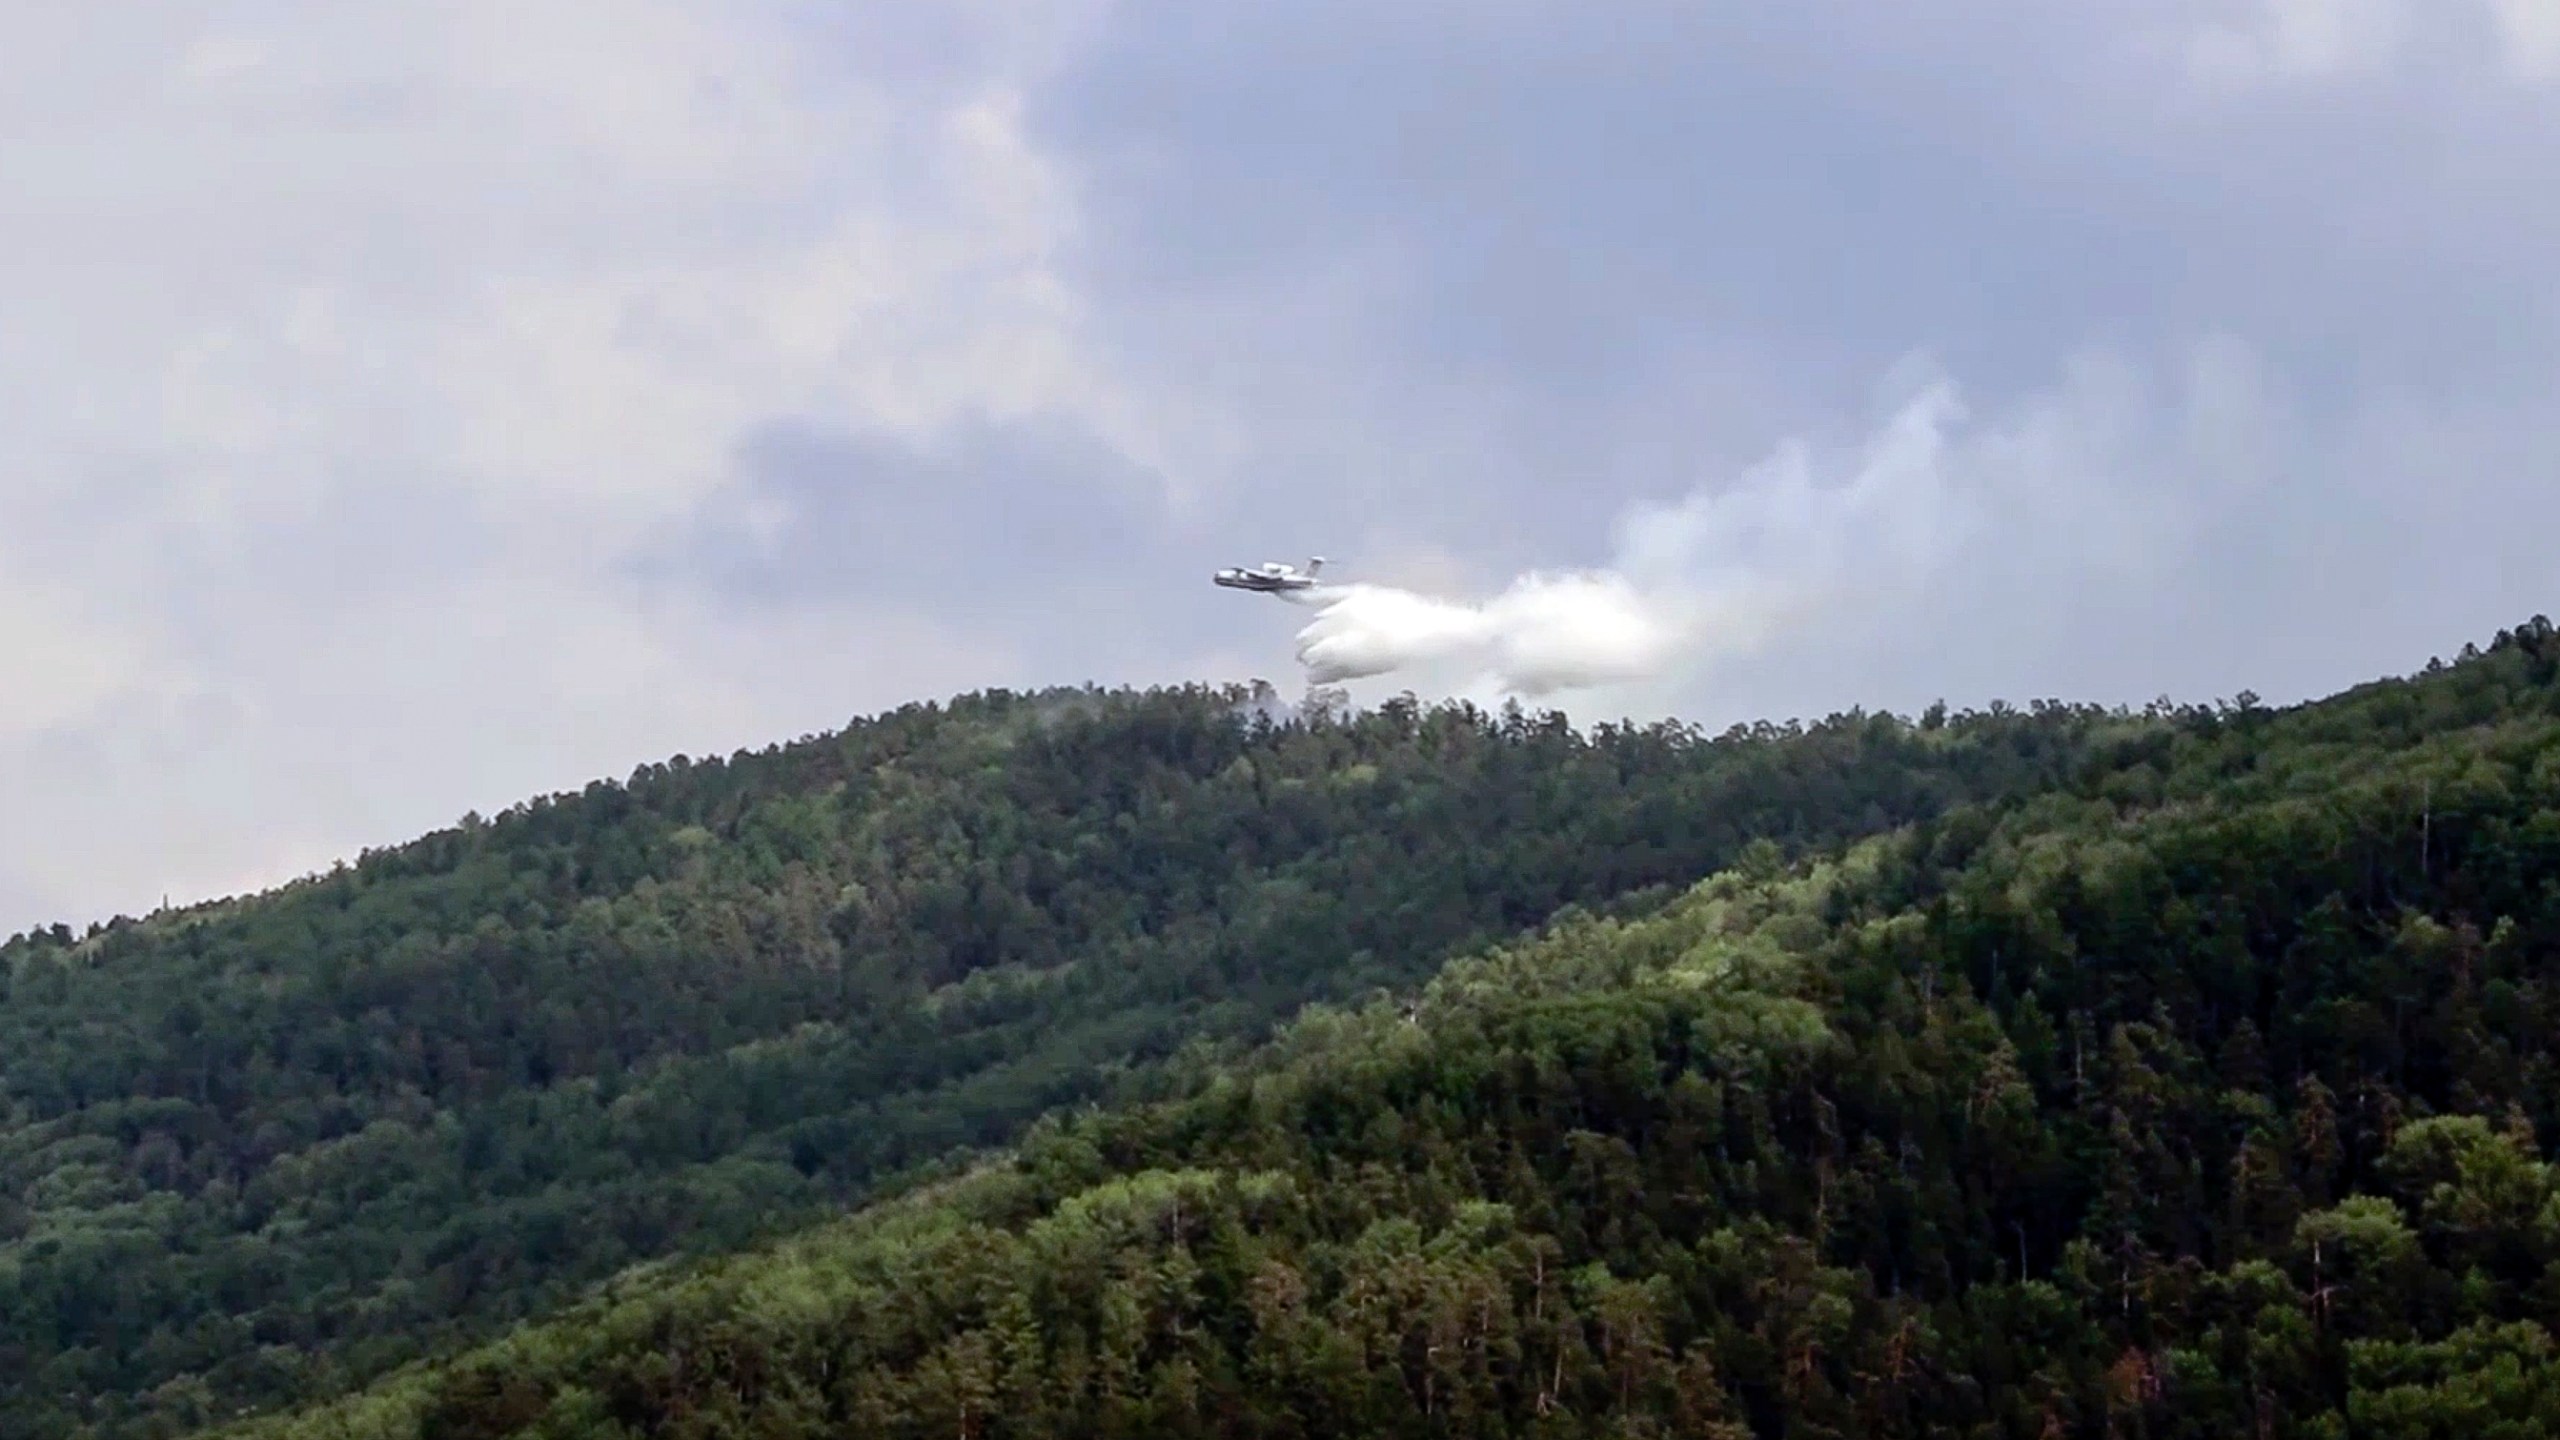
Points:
(255, 1153)
(2205, 1088)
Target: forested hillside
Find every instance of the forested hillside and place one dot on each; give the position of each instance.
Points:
(253, 1153)
(2209, 1092)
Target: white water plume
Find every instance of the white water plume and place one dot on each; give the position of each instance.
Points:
(1544, 633)
(1717, 575)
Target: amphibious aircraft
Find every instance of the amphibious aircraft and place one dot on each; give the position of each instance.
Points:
(1271, 576)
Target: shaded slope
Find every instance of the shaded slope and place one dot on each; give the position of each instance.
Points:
(2210, 1097)
(250, 1153)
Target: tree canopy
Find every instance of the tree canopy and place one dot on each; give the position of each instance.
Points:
(254, 1153)
(2207, 1093)
(1185, 1068)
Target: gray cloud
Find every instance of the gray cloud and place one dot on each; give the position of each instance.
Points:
(1592, 265)
(994, 510)
(353, 357)
(1997, 182)
(412, 407)
(1033, 529)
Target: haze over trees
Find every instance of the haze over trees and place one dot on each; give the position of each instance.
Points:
(2057, 1072)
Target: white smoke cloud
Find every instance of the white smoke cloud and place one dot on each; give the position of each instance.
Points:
(1721, 574)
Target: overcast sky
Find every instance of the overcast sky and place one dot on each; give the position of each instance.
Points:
(407, 408)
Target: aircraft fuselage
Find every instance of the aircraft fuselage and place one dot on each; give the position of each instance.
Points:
(1270, 578)
(1255, 580)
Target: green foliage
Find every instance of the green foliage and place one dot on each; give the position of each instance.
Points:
(2206, 1102)
(253, 1153)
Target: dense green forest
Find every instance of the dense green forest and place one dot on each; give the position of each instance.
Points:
(2207, 1090)
(255, 1153)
